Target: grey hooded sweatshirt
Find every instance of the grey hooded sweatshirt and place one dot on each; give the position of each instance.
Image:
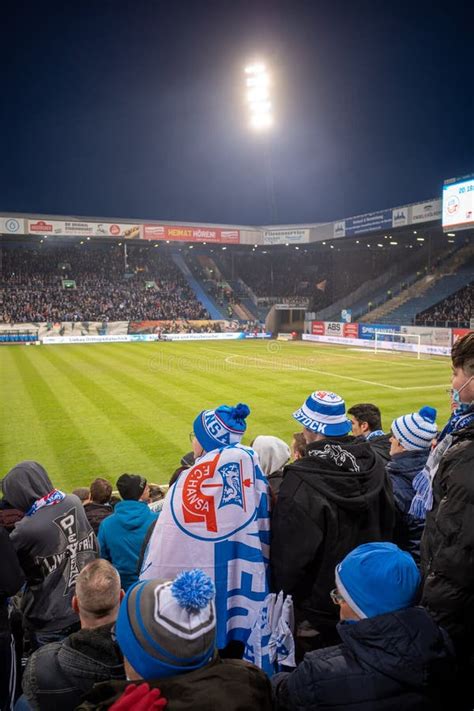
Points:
(53, 545)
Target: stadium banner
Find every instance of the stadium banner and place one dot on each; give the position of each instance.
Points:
(400, 217)
(229, 336)
(430, 335)
(370, 222)
(291, 236)
(346, 315)
(367, 330)
(12, 225)
(181, 326)
(318, 328)
(84, 328)
(335, 328)
(382, 345)
(59, 340)
(459, 333)
(182, 233)
(426, 211)
(83, 229)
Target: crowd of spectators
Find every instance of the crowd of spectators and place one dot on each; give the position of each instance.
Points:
(108, 286)
(455, 310)
(127, 604)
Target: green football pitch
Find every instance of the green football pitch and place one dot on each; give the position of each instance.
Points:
(84, 411)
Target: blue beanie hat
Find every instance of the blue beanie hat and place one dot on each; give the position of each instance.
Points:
(165, 628)
(417, 430)
(218, 428)
(376, 578)
(324, 413)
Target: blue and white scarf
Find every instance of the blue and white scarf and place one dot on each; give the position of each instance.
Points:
(423, 482)
(216, 517)
(54, 497)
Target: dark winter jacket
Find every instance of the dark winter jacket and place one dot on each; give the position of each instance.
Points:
(402, 469)
(53, 545)
(401, 661)
(222, 685)
(447, 546)
(96, 513)
(330, 501)
(381, 446)
(58, 675)
(121, 537)
(11, 577)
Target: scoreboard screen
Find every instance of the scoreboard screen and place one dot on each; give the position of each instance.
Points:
(458, 204)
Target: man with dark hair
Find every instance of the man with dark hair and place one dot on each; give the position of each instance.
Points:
(445, 496)
(98, 505)
(82, 493)
(366, 422)
(331, 500)
(121, 535)
(59, 674)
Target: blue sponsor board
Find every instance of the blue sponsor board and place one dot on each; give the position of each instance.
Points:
(18, 337)
(367, 331)
(371, 222)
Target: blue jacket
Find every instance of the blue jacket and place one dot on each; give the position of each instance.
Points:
(402, 469)
(393, 662)
(121, 536)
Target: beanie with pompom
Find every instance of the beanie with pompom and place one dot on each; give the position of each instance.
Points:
(417, 430)
(165, 628)
(221, 427)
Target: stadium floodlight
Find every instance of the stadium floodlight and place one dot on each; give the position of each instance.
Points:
(258, 96)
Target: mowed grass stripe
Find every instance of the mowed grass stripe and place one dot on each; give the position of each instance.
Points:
(60, 431)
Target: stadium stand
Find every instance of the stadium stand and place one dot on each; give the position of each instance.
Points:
(454, 310)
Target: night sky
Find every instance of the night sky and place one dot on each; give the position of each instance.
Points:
(135, 109)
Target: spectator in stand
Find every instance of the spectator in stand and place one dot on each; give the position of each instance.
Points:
(98, 506)
(273, 454)
(59, 674)
(330, 501)
(367, 422)
(167, 633)
(121, 534)
(411, 441)
(54, 541)
(445, 496)
(457, 309)
(393, 655)
(298, 446)
(11, 580)
(217, 513)
(82, 493)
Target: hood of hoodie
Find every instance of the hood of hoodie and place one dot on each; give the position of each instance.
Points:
(400, 644)
(131, 513)
(25, 483)
(408, 464)
(345, 470)
(273, 453)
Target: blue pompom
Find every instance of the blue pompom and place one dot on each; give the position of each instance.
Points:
(193, 589)
(241, 411)
(428, 413)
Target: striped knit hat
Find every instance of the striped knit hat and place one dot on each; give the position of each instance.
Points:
(417, 430)
(218, 428)
(324, 413)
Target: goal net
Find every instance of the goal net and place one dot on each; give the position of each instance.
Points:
(385, 341)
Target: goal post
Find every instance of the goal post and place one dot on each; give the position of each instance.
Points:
(395, 341)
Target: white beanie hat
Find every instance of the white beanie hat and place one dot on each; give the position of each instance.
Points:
(417, 430)
(273, 453)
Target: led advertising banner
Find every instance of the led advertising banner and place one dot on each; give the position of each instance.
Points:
(458, 205)
(181, 233)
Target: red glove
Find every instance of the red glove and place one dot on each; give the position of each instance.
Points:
(139, 698)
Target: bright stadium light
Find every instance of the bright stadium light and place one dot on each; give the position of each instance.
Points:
(257, 82)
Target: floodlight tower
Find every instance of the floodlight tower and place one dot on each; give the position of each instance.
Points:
(258, 84)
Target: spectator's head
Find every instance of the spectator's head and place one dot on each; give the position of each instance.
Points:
(100, 491)
(374, 579)
(98, 594)
(133, 487)
(273, 453)
(365, 418)
(298, 446)
(165, 628)
(323, 414)
(414, 432)
(24, 484)
(214, 429)
(462, 357)
(156, 493)
(82, 493)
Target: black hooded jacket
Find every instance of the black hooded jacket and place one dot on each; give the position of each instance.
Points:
(53, 545)
(330, 501)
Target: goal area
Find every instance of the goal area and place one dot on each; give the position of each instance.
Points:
(385, 341)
